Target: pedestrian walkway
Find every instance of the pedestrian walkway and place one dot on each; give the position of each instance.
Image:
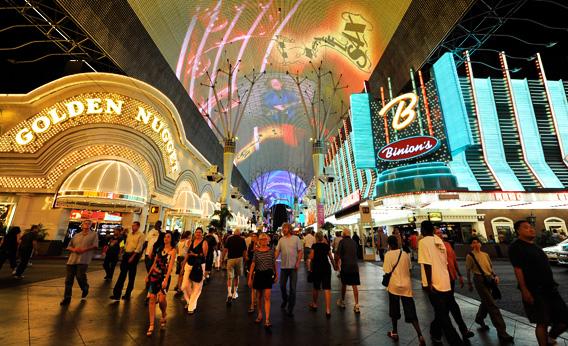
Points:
(31, 315)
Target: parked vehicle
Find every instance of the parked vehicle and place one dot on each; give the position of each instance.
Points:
(552, 252)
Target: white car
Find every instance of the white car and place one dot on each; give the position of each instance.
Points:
(552, 252)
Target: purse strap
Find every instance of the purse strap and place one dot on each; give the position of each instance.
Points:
(477, 264)
(398, 260)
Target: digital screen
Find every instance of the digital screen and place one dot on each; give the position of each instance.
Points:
(271, 36)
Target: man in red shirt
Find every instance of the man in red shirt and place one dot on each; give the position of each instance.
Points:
(454, 271)
(413, 245)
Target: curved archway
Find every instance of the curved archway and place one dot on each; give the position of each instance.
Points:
(503, 228)
(189, 177)
(555, 224)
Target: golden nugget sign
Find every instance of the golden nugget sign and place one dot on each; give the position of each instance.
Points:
(99, 106)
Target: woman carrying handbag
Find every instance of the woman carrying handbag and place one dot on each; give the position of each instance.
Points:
(485, 282)
(399, 286)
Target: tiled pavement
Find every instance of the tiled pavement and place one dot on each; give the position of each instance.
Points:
(31, 315)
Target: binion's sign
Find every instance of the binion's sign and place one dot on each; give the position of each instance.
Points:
(408, 148)
(404, 130)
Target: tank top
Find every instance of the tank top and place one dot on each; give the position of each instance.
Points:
(192, 260)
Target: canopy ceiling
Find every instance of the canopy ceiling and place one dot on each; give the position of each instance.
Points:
(272, 36)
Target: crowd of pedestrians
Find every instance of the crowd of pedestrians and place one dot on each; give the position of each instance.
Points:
(194, 256)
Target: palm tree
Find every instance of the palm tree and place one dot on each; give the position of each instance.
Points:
(224, 214)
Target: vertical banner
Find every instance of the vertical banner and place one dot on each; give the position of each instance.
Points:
(320, 215)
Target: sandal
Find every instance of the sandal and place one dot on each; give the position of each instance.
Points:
(150, 330)
(267, 325)
(251, 310)
(163, 323)
(313, 307)
(258, 319)
(393, 335)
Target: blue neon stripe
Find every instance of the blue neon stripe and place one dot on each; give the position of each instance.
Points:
(489, 124)
(530, 135)
(452, 104)
(463, 173)
(363, 148)
(560, 105)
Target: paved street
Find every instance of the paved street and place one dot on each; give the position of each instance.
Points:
(32, 316)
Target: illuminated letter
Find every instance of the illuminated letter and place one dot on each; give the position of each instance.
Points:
(45, 124)
(143, 116)
(170, 146)
(166, 135)
(155, 124)
(75, 108)
(56, 118)
(115, 107)
(94, 106)
(404, 114)
(24, 136)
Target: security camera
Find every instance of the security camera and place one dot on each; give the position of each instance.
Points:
(213, 174)
(235, 193)
(326, 178)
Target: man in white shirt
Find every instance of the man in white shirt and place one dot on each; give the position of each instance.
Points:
(309, 240)
(132, 251)
(82, 248)
(436, 281)
(151, 239)
(397, 263)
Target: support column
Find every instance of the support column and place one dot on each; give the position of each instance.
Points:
(318, 160)
(228, 158)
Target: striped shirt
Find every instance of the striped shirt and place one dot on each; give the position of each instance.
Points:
(263, 260)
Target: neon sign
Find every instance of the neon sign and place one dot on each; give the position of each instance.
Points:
(408, 148)
(99, 106)
(405, 113)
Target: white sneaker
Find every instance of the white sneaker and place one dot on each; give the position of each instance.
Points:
(357, 309)
(235, 295)
(341, 303)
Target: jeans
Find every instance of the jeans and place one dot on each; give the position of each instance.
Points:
(9, 254)
(488, 306)
(78, 271)
(191, 289)
(126, 268)
(455, 310)
(109, 264)
(442, 324)
(25, 255)
(288, 298)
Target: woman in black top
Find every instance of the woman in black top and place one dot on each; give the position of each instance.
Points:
(320, 269)
(195, 258)
(262, 275)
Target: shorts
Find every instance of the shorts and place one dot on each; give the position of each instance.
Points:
(407, 305)
(234, 267)
(263, 280)
(548, 308)
(307, 251)
(321, 280)
(350, 279)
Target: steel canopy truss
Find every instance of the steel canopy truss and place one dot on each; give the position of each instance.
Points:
(484, 19)
(56, 28)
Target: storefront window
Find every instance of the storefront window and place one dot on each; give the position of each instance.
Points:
(503, 228)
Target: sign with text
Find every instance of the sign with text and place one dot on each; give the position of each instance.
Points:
(350, 200)
(406, 129)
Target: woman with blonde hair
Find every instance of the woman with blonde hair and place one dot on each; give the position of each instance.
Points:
(194, 270)
(262, 275)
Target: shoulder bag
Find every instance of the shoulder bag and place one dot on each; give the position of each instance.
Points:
(488, 280)
(387, 276)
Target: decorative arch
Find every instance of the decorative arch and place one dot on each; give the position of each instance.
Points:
(208, 189)
(502, 227)
(555, 223)
(190, 178)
